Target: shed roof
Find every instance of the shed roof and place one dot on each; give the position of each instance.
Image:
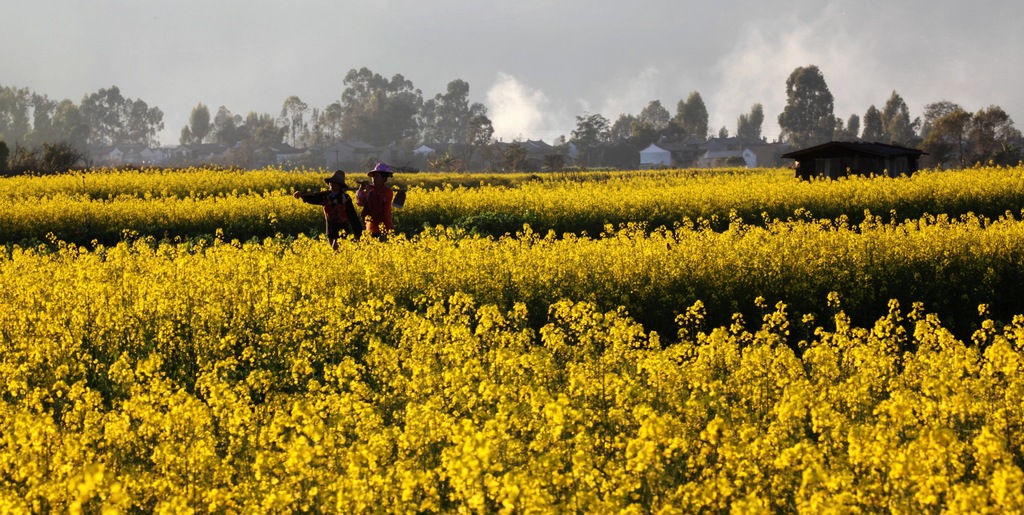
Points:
(838, 148)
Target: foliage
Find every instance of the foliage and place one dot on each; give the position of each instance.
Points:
(199, 126)
(692, 117)
(838, 362)
(377, 110)
(113, 119)
(748, 126)
(808, 117)
(47, 159)
(513, 158)
(896, 123)
(283, 377)
(592, 130)
(874, 129)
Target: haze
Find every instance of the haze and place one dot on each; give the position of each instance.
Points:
(535, 64)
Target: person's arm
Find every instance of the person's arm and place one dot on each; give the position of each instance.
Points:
(318, 198)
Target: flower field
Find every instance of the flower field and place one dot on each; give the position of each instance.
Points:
(671, 341)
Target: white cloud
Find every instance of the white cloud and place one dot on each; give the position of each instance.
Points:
(631, 95)
(755, 71)
(520, 112)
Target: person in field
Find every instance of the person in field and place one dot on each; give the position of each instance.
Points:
(339, 213)
(375, 198)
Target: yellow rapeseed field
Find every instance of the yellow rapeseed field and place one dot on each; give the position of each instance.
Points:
(816, 358)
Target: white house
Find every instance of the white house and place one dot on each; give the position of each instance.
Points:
(654, 156)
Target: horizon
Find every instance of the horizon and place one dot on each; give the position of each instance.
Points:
(535, 65)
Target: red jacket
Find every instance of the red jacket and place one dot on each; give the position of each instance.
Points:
(377, 207)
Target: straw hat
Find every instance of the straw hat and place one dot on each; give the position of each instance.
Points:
(338, 178)
(381, 168)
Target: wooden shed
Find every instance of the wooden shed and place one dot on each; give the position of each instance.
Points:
(840, 158)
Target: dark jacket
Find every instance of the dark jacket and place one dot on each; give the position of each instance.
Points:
(339, 212)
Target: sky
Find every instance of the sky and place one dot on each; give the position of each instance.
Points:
(535, 64)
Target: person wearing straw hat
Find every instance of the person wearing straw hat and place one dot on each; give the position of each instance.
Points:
(375, 199)
(339, 213)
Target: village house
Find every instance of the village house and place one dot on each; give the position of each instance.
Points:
(349, 153)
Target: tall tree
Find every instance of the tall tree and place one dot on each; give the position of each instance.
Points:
(992, 133)
(591, 131)
(331, 120)
(808, 117)
(748, 126)
(623, 127)
(936, 110)
(874, 131)
(947, 133)
(853, 127)
(227, 128)
(69, 124)
(42, 121)
(262, 130)
(896, 123)
(15, 122)
(293, 118)
(446, 117)
(199, 127)
(114, 119)
(481, 133)
(377, 110)
(655, 115)
(692, 117)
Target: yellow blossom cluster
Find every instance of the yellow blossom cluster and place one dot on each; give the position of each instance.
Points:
(671, 342)
(109, 206)
(406, 377)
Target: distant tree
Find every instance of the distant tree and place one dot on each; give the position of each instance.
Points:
(748, 126)
(377, 110)
(623, 127)
(450, 118)
(874, 131)
(446, 117)
(554, 162)
(946, 141)
(692, 117)
(227, 128)
(45, 159)
(723, 132)
(331, 118)
(42, 121)
(655, 115)
(642, 134)
(481, 134)
(853, 127)
(513, 158)
(808, 117)
(185, 138)
(4, 154)
(991, 133)
(591, 131)
(199, 127)
(14, 113)
(113, 119)
(263, 131)
(293, 114)
(839, 133)
(896, 122)
(934, 111)
(316, 136)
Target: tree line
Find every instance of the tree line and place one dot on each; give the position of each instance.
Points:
(382, 112)
(952, 136)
